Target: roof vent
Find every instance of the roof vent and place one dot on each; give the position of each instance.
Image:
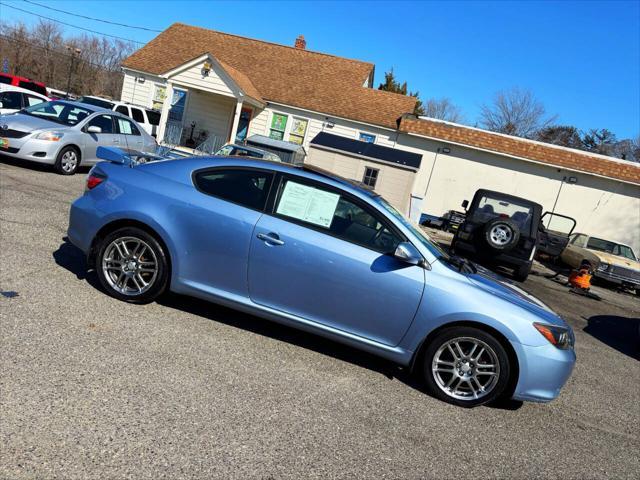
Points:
(301, 43)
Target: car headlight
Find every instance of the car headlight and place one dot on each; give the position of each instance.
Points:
(603, 267)
(51, 136)
(560, 337)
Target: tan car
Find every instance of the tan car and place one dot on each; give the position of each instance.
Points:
(612, 261)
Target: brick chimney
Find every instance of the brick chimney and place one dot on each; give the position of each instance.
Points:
(301, 43)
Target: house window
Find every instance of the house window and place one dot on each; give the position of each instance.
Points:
(367, 137)
(298, 130)
(370, 177)
(278, 126)
(159, 95)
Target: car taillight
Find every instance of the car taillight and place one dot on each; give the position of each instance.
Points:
(93, 180)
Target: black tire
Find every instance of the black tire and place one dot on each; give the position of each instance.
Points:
(138, 263)
(64, 164)
(522, 272)
(501, 234)
(436, 383)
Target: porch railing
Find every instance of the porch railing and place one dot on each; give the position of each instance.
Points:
(210, 146)
(172, 135)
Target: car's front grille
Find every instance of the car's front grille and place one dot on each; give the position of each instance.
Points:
(623, 272)
(10, 133)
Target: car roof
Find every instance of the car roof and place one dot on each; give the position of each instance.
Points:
(605, 239)
(88, 106)
(12, 88)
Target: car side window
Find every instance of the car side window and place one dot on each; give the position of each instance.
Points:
(336, 214)
(579, 240)
(105, 123)
(11, 100)
(123, 109)
(244, 186)
(126, 127)
(137, 115)
(31, 100)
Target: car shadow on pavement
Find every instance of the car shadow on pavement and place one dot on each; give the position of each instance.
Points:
(71, 258)
(29, 165)
(316, 343)
(620, 333)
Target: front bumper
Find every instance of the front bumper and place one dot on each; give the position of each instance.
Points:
(617, 278)
(42, 151)
(543, 371)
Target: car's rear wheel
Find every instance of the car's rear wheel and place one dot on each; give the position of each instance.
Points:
(522, 272)
(132, 265)
(466, 366)
(501, 234)
(67, 161)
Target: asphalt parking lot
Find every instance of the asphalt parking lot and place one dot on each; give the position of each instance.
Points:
(95, 388)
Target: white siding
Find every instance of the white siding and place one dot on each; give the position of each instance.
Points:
(602, 207)
(317, 123)
(139, 93)
(211, 112)
(193, 78)
(393, 183)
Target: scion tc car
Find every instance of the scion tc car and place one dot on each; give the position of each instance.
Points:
(320, 253)
(67, 134)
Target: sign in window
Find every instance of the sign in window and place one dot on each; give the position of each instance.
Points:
(308, 204)
(278, 126)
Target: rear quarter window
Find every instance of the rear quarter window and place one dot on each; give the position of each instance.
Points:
(246, 187)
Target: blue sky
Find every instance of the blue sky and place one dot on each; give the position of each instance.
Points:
(581, 59)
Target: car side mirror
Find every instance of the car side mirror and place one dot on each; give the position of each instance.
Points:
(407, 253)
(94, 129)
(465, 204)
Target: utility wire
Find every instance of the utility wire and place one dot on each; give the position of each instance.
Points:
(70, 25)
(55, 52)
(92, 18)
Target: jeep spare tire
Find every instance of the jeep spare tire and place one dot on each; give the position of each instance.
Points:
(501, 234)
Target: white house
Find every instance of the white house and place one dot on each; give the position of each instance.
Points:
(216, 87)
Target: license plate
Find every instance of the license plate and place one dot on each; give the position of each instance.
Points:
(4, 143)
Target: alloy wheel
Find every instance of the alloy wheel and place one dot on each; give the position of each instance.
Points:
(69, 161)
(500, 235)
(129, 265)
(466, 368)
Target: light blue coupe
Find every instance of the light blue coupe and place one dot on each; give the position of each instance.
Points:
(317, 252)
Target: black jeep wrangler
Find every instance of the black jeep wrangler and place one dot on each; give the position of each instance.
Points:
(505, 230)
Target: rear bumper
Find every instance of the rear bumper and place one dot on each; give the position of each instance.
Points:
(84, 223)
(490, 257)
(543, 371)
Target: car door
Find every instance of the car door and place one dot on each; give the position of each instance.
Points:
(215, 225)
(11, 102)
(554, 236)
(138, 115)
(108, 137)
(574, 252)
(130, 136)
(323, 255)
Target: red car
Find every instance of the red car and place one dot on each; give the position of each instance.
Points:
(23, 82)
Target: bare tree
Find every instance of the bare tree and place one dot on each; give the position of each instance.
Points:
(45, 54)
(443, 109)
(515, 112)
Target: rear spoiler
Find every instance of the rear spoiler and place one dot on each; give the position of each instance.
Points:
(128, 157)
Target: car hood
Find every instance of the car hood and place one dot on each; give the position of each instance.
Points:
(616, 260)
(507, 290)
(27, 123)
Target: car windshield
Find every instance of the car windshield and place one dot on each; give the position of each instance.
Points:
(611, 247)
(98, 102)
(489, 208)
(59, 112)
(415, 229)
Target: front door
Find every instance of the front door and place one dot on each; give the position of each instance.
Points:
(324, 256)
(174, 127)
(243, 125)
(108, 136)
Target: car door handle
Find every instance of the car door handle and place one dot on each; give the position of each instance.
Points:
(271, 238)
(116, 141)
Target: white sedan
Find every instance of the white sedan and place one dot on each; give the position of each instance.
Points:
(14, 99)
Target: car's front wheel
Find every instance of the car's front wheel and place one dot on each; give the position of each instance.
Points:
(466, 366)
(67, 161)
(132, 265)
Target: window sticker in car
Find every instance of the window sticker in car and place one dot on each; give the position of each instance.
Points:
(308, 204)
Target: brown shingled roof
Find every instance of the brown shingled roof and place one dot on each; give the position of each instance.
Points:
(292, 76)
(553, 155)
